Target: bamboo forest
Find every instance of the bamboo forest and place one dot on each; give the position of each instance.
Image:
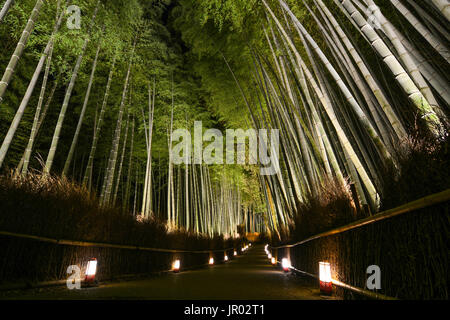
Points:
(192, 129)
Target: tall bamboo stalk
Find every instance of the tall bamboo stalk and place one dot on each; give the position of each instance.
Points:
(122, 157)
(7, 75)
(402, 77)
(24, 103)
(98, 127)
(5, 9)
(62, 114)
(83, 111)
(106, 195)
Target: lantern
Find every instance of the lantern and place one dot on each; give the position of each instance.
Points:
(211, 260)
(326, 286)
(235, 253)
(225, 258)
(285, 264)
(91, 270)
(273, 261)
(269, 256)
(176, 266)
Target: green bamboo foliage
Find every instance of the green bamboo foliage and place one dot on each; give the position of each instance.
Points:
(7, 75)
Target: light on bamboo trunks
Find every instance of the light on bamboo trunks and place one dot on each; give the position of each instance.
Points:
(176, 265)
(91, 270)
(286, 264)
(326, 286)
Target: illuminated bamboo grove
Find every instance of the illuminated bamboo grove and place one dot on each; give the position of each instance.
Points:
(196, 202)
(343, 81)
(335, 111)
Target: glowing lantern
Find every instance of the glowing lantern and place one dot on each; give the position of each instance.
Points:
(91, 270)
(273, 260)
(226, 258)
(270, 256)
(235, 253)
(285, 264)
(250, 244)
(325, 278)
(211, 260)
(176, 266)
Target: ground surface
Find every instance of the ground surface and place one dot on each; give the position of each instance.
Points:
(248, 277)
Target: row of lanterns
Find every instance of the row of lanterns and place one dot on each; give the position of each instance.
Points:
(325, 282)
(269, 255)
(91, 268)
(177, 264)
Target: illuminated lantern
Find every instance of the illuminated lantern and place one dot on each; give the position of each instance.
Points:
(176, 266)
(273, 260)
(250, 244)
(235, 253)
(285, 264)
(269, 256)
(211, 260)
(226, 258)
(91, 270)
(325, 278)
